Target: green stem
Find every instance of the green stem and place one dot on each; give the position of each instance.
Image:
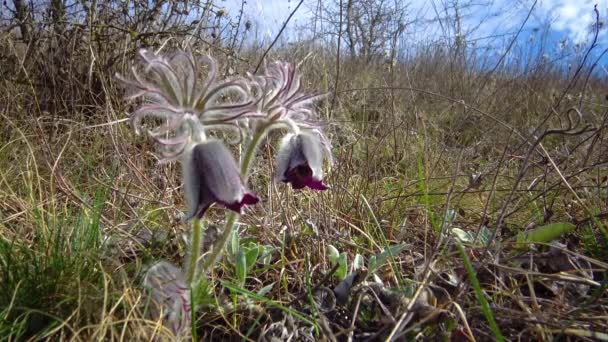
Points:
(253, 146)
(219, 244)
(195, 246)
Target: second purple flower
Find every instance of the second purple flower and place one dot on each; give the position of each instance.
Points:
(300, 161)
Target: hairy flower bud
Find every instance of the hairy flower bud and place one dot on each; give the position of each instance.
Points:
(171, 295)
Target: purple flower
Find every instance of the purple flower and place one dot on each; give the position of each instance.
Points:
(300, 161)
(211, 175)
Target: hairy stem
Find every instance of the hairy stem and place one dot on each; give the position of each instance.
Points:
(195, 245)
(253, 146)
(219, 244)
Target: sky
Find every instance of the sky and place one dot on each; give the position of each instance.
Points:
(570, 20)
(270, 14)
(574, 17)
(569, 17)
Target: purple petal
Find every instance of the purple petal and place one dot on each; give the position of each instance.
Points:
(211, 175)
(302, 176)
(248, 199)
(316, 184)
(300, 160)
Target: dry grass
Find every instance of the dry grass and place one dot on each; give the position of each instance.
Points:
(421, 146)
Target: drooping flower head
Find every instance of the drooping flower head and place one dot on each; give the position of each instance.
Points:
(189, 106)
(211, 175)
(280, 96)
(300, 161)
(175, 92)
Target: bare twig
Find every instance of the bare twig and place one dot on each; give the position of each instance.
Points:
(277, 37)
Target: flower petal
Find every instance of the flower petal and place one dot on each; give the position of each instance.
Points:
(211, 175)
(310, 146)
(248, 199)
(300, 161)
(284, 155)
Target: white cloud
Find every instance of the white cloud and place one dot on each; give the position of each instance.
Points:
(574, 17)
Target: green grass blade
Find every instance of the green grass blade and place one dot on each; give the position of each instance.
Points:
(423, 186)
(387, 247)
(485, 306)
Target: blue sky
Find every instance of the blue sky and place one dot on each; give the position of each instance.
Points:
(569, 17)
(270, 14)
(570, 20)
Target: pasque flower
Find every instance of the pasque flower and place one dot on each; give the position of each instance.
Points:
(281, 98)
(211, 175)
(190, 107)
(187, 103)
(300, 161)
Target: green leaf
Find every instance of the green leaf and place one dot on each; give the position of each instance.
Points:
(251, 256)
(449, 218)
(484, 235)
(235, 244)
(378, 260)
(462, 235)
(264, 290)
(358, 262)
(202, 292)
(342, 270)
(334, 254)
(266, 254)
(372, 263)
(377, 279)
(241, 267)
(544, 234)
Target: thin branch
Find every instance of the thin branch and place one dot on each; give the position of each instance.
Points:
(277, 37)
